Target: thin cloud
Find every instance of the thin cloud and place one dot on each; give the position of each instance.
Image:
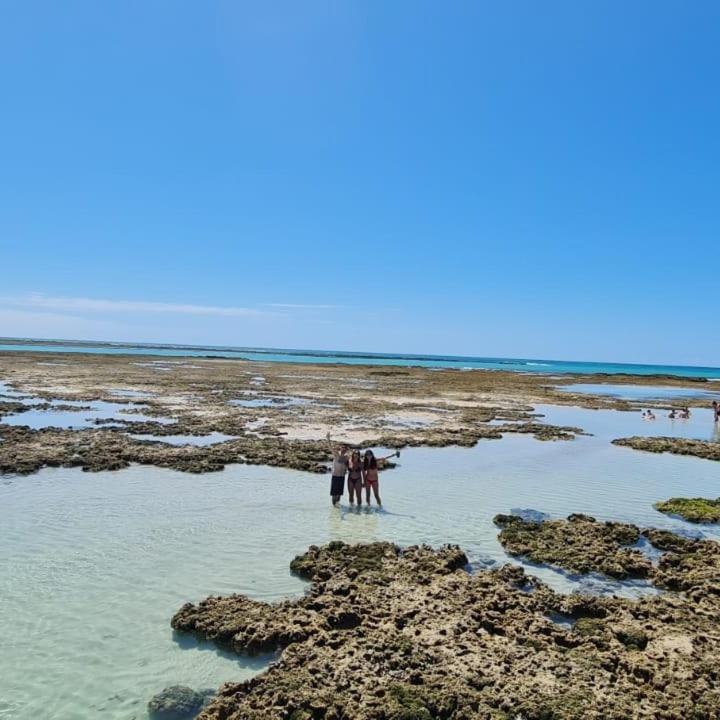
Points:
(303, 306)
(49, 303)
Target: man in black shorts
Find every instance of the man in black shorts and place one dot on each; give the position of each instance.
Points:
(339, 470)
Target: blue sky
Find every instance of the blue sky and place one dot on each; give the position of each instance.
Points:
(507, 178)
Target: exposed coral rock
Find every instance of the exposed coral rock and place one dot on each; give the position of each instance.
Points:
(178, 702)
(391, 634)
(678, 446)
(580, 544)
(25, 451)
(686, 564)
(110, 448)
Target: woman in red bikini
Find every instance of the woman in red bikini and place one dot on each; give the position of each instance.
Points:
(370, 474)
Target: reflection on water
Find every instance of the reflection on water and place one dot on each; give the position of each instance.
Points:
(93, 565)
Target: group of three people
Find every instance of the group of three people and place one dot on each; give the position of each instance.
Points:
(361, 473)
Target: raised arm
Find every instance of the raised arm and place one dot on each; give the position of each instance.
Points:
(334, 449)
(381, 461)
(391, 455)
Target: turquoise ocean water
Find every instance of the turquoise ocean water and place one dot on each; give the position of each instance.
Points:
(551, 367)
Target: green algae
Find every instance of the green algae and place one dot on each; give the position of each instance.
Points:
(696, 510)
(590, 626)
(355, 559)
(406, 703)
(632, 636)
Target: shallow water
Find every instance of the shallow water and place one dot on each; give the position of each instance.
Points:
(93, 565)
(8, 392)
(121, 392)
(273, 401)
(640, 392)
(612, 424)
(76, 419)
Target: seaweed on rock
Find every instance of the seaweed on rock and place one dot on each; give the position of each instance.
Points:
(696, 510)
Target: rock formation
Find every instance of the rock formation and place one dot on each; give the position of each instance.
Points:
(391, 634)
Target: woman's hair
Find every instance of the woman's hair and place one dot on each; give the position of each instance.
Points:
(369, 463)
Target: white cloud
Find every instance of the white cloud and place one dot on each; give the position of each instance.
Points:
(39, 301)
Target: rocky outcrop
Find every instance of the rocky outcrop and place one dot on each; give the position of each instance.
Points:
(692, 566)
(677, 446)
(392, 634)
(25, 451)
(583, 544)
(696, 510)
(580, 544)
(178, 702)
(109, 447)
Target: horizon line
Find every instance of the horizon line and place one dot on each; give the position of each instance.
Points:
(348, 353)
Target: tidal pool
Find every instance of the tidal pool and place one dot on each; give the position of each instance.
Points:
(640, 392)
(93, 565)
(611, 424)
(76, 419)
(8, 392)
(120, 392)
(272, 401)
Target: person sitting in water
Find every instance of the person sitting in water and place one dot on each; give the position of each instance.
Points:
(671, 414)
(339, 468)
(650, 415)
(685, 414)
(354, 480)
(370, 474)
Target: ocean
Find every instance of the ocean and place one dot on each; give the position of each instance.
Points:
(528, 365)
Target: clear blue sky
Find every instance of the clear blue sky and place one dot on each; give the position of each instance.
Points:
(487, 178)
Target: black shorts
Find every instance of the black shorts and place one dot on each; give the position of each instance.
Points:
(337, 485)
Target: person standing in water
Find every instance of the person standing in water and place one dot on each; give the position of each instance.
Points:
(339, 468)
(716, 410)
(370, 474)
(354, 480)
